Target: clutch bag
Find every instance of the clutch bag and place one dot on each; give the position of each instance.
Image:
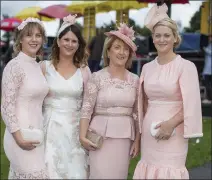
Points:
(32, 134)
(95, 138)
(154, 131)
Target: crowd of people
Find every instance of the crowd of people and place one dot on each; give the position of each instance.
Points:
(65, 122)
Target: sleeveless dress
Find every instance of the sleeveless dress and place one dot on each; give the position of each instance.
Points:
(64, 155)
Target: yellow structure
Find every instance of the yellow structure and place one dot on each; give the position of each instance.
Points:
(89, 9)
(89, 29)
(206, 18)
(32, 12)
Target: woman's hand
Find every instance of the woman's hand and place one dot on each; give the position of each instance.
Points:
(135, 149)
(87, 144)
(27, 145)
(23, 144)
(165, 131)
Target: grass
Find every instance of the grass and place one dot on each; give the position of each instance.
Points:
(198, 153)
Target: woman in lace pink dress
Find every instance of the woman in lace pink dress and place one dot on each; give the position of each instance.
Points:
(109, 106)
(169, 87)
(23, 90)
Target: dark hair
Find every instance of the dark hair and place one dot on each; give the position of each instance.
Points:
(80, 56)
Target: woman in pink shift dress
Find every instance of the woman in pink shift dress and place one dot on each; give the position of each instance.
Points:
(109, 108)
(169, 89)
(23, 91)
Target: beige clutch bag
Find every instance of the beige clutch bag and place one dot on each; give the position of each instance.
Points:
(95, 138)
(33, 135)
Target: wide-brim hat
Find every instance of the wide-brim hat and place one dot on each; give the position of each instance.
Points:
(126, 34)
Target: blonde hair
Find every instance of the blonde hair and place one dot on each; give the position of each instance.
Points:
(80, 56)
(107, 45)
(19, 34)
(173, 26)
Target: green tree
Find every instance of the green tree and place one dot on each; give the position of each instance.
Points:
(194, 22)
(138, 30)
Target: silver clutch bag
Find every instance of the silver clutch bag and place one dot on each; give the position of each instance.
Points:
(95, 138)
(31, 134)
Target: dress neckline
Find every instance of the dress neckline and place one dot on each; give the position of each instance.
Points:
(26, 57)
(170, 62)
(114, 78)
(61, 76)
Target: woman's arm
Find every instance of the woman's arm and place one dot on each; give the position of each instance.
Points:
(89, 100)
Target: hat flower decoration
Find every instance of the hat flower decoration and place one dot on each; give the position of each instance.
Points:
(128, 31)
(126, 34)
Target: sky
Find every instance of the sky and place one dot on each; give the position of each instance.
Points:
(181, 13)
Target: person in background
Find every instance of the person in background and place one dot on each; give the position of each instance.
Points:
(109, 109)
(66, 74)
(23, 91)
(207, 71)
(169, 104)
(95, 48)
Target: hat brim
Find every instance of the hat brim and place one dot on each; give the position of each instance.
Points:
(124, 38)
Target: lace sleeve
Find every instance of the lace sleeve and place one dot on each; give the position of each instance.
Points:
(12, 79)
(135, 107)
(90, 95)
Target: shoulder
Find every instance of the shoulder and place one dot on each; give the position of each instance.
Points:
(99, 75)
(148, 65)
(14, 65)
(134, 76)
(14, 68)
(186, 64)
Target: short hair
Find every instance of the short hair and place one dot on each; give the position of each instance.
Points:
(107, 45)
(173, 26)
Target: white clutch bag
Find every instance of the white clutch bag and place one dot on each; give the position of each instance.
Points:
(33, 135)
(154, 131)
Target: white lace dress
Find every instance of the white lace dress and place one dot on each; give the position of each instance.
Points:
(64, 155)
(23, 90)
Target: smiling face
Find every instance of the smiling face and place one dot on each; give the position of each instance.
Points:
(31, 42)
(118, 53)
(163, 39)
(68, 44)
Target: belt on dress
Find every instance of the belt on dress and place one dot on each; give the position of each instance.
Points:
(165, 102)
(113, 111)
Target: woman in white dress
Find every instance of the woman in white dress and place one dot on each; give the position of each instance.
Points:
(66, 73)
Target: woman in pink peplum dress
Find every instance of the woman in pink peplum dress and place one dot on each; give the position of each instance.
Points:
(169, 96)
(23, 91)
(109, 108)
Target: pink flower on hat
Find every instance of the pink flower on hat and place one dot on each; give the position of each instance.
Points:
(70, 19)
(127, 31)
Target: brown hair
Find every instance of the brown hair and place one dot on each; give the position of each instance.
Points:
(80, 56)
(19, 34)
(107, 45)
(173, 26)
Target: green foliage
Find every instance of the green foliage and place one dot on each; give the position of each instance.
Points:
(194, 22)
(198, 153)
(138, 30)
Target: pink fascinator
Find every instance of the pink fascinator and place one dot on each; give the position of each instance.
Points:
(28, 20)
(67, 21)
(155, 14)
(126, 34)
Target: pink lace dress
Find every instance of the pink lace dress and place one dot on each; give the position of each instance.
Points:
(23, 90)
(169, 89)
(109, 105)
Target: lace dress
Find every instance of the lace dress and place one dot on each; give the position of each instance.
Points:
(64, 155)
(23, 92)
(110, 106)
